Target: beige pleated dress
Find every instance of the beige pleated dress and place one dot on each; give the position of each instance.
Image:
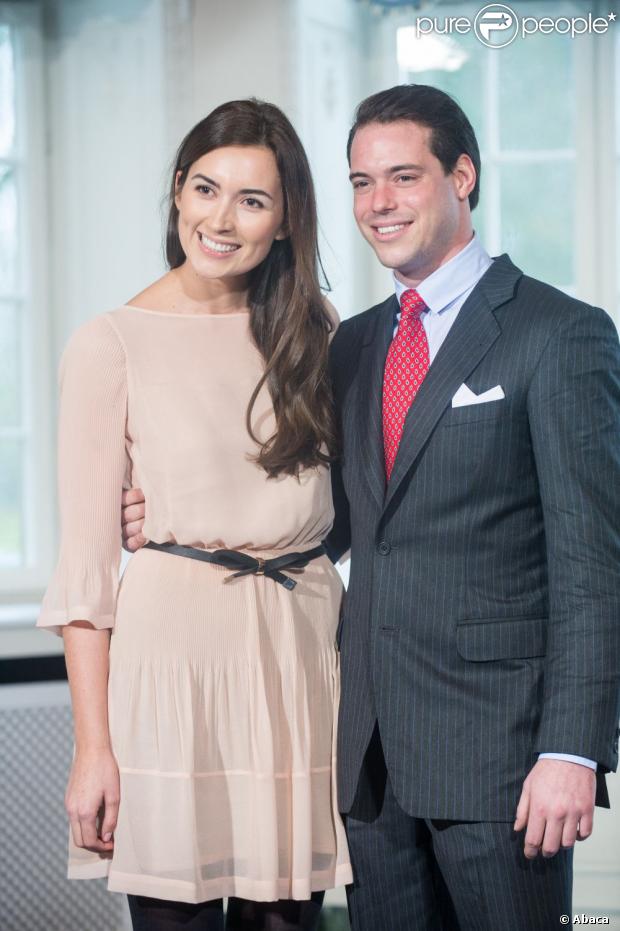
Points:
(223, 695)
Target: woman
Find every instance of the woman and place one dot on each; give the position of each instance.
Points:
(205, 687)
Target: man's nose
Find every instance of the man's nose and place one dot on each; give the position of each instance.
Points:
(383, 198)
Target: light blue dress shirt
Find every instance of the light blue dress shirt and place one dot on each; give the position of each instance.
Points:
(446, 290)
(444, 293)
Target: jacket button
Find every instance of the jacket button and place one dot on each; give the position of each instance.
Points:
(383, 548)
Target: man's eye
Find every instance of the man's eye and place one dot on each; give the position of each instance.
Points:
(359, 184)
(406, 178)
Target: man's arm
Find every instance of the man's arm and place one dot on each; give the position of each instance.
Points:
(132, 519)
(574, 414)
(338, 541)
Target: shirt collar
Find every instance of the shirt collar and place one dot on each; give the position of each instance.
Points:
(450, 281)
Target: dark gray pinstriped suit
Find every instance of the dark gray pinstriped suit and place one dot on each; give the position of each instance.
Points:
(482, 620)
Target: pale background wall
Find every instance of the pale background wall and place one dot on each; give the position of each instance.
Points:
(120, 83)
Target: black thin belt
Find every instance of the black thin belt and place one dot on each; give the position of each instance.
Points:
(243, 563)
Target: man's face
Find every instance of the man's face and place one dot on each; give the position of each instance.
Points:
(414, 215)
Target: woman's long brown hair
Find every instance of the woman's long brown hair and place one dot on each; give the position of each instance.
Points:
(288, 318)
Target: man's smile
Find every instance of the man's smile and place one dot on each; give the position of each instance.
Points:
(385, 232)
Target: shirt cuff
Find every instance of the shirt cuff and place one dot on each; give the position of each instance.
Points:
(569, 758)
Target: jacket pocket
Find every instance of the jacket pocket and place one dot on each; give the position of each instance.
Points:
(506, 638)
(476, 413)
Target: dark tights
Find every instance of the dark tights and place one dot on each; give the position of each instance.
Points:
(241, 915)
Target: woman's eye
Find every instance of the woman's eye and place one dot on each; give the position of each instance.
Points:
(252, 202)
(203, 189)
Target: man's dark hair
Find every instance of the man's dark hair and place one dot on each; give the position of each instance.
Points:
(451, 132)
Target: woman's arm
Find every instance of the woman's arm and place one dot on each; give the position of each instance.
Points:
(92, 469)
(93, 790)
(80, 602)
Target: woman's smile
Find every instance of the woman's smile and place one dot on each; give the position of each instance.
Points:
(216, 247)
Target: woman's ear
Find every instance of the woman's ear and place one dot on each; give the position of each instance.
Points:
(282, 233)
(177, 188)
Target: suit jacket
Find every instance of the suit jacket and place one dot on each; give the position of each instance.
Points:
(482, 620)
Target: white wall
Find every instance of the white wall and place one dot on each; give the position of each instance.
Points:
(126, 80)
(107, 152)
(329, 41)
(240, 50)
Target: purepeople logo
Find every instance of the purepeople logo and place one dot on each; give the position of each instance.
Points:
(497, 25)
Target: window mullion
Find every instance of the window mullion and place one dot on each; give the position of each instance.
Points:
(30, 433)
(491, 178)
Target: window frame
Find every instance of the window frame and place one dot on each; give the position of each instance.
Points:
(29, 158)
(596, 152)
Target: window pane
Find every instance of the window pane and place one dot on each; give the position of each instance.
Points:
(8, 230)
(528, 118)
(7, 92)
(478, 217)
(618, 241)
(454, 64)
(617, 63)
(10, 353)
(537, 212)
(11, 543)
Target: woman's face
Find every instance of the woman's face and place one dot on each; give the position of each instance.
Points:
(231, 208)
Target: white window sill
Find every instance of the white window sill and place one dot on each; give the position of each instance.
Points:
(19, 637)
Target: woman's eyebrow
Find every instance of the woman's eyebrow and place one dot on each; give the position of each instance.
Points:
(246, 190)
(208, 180)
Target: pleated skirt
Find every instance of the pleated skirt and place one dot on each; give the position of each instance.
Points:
(223, 704)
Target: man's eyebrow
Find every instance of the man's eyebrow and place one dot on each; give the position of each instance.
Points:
(390, 171)
(242, 191)
(411, 167)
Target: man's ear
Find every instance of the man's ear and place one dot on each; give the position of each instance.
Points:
(464, 175)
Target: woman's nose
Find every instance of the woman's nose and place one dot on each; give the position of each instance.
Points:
(222, 219)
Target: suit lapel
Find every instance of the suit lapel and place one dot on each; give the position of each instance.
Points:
(471, 336)
(368, 400)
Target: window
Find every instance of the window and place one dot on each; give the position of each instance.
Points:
(617, 152)
(540, 124)
(10, 338)
(26, 473)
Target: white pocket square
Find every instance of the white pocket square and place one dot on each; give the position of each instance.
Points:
(465, 396)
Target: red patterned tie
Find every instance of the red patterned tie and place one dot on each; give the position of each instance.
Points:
(405, 369)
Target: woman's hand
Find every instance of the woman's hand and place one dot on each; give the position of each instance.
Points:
(92, 799)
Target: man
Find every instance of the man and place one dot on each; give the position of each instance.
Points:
(478, 493)
(480, 628)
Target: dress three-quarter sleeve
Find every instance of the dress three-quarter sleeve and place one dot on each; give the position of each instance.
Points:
(92, 467)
